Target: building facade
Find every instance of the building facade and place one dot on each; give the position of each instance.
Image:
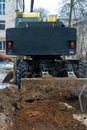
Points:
(7, 18)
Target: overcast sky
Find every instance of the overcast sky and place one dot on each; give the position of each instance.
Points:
(50, 5)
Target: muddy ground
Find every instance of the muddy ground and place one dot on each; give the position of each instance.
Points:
(42, 105)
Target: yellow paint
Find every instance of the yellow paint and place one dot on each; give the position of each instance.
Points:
(19, 13)
(32, 15)
(52, 18)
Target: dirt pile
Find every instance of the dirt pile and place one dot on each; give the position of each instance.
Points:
(45, 115)
(40, 107)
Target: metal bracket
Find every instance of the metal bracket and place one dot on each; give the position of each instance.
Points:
(70, 71)
(45, 73)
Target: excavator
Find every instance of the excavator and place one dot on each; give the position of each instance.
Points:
(41, 48)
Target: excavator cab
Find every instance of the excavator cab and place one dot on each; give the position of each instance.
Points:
(23, 19)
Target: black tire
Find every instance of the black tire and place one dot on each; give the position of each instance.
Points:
(22, 70)
(82, 72)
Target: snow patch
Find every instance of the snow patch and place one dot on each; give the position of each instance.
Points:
(81, 117)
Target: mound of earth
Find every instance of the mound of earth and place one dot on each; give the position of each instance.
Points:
(35, 110)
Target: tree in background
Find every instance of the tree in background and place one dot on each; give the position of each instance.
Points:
(76, 9)
(42, 11)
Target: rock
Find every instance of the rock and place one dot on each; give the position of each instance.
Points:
(17, 105)
(64, 106)
(3, 122)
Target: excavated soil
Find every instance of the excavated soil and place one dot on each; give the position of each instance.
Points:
(42, 105)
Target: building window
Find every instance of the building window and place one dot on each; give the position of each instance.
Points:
(2, 25)
(2, 7)
(2, 45)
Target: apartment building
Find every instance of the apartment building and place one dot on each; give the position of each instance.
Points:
(7, 18)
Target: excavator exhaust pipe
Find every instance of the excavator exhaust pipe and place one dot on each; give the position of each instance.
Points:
(32, 5)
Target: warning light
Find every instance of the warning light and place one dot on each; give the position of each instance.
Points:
(9, 45)
(72, 44)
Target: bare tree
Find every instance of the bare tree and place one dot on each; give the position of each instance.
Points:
(76, 9)
(42, 11)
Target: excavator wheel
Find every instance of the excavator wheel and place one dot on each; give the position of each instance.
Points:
(82, 73)
(22, 70)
